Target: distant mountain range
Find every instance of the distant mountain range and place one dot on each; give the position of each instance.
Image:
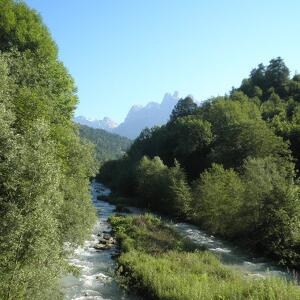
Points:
(137, 118)
(106, 123)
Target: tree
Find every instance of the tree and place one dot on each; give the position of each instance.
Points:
(277, 74)
(189, 140)
(271, 210)
(152, 185)
(184, 107)
(218, 198)
(44, 166)
(253, 139)
(22, 28)
(179, 193)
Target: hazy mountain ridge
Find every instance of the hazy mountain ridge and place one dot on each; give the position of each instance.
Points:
(137, 118)
(106, 123)
(150, 115)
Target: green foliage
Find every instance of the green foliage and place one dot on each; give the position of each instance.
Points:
(184, 107)
(188, 140)
(44, 166)
(22, 28)
(238, 155)
(108, 145)
(120, 175)
(146, 233)
(218, 198)
(162, 188)
(151, 176)
(252, 139)
(158, 263)
(271, 207)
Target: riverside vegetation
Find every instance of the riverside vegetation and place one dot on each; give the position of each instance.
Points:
(229, 165)
(160, 264)
(44, 166)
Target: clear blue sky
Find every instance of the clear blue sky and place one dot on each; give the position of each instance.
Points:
(131, 52)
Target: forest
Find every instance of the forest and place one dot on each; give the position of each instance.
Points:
(108, 145)
(229, 165)
(45, 168)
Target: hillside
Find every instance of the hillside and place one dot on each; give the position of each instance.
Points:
(108, 145)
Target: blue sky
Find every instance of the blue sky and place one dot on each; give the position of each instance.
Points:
(131, 52)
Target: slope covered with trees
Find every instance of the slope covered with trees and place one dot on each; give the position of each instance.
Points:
(108, 145)
(44, 165)
(229, 165)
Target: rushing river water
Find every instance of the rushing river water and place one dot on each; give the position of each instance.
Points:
(96, 280)
(232, 255)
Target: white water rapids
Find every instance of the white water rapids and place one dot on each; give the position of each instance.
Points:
(96, 281)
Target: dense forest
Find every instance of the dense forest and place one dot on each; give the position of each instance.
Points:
(108, 145)
(229, 165)
(44, 166)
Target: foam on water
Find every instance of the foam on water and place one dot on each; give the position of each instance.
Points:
(96, 280)
(231, 255)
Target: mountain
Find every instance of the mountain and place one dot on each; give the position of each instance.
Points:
(137, 118)
(150, 115)
(106, 123)
(108, 145)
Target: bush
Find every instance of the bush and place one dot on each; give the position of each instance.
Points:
(218, 198)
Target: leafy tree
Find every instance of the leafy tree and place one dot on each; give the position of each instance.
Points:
(252, 139)
(277, 74)
(257, 76)
(44, 166)
(162, 188)
(151, 181)
(184, 107)
(218, 198)
(22, 28)
(31, 249)
(271, 211)
(179, 193)
(189, 140)
(224, 112)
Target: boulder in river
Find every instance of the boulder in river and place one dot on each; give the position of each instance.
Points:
(103, 278)
(106, 236)
(103, 246)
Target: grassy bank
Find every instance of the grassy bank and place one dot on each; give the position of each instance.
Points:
(160, 264)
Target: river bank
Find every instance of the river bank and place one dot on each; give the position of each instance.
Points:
(97, 277)
(234, 255)
(161, 264)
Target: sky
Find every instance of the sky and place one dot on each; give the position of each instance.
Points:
(126, 52)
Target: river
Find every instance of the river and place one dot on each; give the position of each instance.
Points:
(96, 281)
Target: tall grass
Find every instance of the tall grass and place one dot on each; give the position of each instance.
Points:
(159, 264)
